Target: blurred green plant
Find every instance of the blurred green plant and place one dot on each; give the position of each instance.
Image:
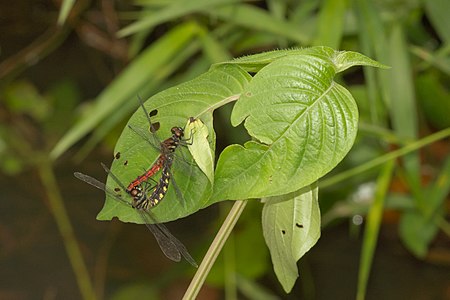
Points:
(33, 123)
(400, 109)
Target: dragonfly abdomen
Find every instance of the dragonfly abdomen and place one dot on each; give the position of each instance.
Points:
(149, 173)
(160, 190)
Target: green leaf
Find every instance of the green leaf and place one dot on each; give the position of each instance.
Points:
(433, 96)
(347, 59)
(331, 12)
(173, 11)
(419, 227)
(255, 18)
(291, 226)
(417, 231)
(341, 59)
(254, 63)
(437, 14)
(196, 98)
(197, 133)
(304, 121)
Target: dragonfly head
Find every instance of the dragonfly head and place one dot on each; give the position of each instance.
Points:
(178, 132)
(136, 192)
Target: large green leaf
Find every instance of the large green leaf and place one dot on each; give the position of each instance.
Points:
(195, 98)
(291, 226)
(303, 124)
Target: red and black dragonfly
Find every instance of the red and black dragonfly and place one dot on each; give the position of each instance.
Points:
(164, 161)
(145, 192)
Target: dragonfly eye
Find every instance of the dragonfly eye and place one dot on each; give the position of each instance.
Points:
(134, 192)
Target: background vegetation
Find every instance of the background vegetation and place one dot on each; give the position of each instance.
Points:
(68, 88)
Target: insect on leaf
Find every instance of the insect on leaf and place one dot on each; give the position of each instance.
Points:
(139, 146)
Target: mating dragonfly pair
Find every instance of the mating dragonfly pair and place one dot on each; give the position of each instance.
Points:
(146, 192)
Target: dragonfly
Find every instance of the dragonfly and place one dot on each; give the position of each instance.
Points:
(164, 161)
(145, 192)
(167, 149)
(141, 202)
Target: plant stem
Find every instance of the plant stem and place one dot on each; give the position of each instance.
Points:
(214, 250)
(65, 228)
(229, 258)
(372, 229)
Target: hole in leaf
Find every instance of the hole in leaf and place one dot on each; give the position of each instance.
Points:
(117, 156)
(154, 127)
(283, 232)
(117, 189)
(153, 113)
(125, 163)
(299, 225)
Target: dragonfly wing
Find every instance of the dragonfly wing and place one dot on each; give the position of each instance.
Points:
(177, 190)
(147, 115)
(166, 244)
(146, 136)
(181, 248)
(90, 180)
(168, 247)
(169, 244)
(101, 186)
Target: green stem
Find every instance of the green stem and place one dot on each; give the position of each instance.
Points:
(373, 224)
(65, 228)
(214, 250)
(385, 158)
(229, 262)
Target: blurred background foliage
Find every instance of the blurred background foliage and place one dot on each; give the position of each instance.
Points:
(70, 74)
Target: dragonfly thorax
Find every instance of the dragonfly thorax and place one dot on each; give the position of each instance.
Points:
(139, 197)
(169, 145)
(177, 132)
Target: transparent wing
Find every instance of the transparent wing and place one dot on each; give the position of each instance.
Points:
(177, 189)
(150, 138)
(160, 231)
